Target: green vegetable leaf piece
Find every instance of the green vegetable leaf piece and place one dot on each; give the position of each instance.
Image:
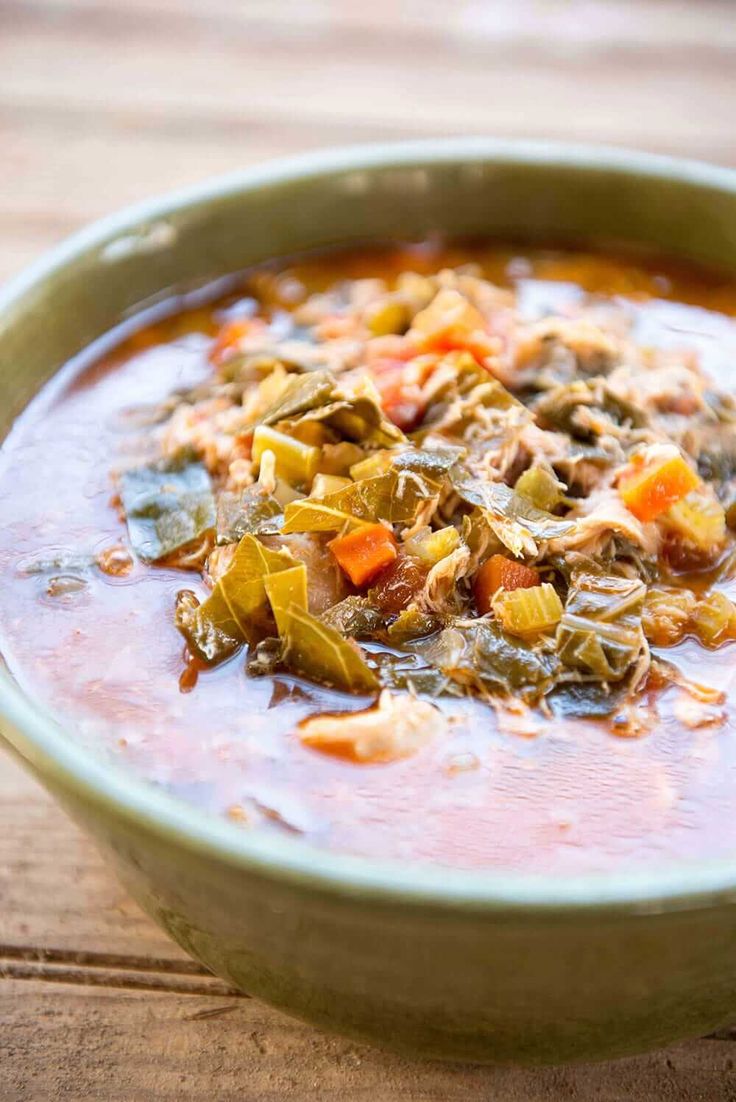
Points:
(585, 409)
(286, 588)
(354, 617)
(600, 635)
(411, 623)
(237, 610)
(433, 464)
(302, 394)
(481, 656)
(515, 521)
(167, 505)
(314, 650)
(363, 421)
(316, 396)
(251, 512)
(587, 699)
(408, 671)
(311, 515)
(394, 496)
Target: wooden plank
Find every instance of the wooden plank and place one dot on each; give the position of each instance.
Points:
(80, 1042)
(430, 81)
(55, 891)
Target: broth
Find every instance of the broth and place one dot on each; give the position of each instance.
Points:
(103, 653)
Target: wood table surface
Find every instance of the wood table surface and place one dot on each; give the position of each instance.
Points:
(103, 102)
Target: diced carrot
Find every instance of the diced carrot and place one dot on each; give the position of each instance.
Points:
(364, 552)
(227, 340)
(648, 490)
(498, 572)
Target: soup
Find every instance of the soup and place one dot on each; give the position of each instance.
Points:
(420, 552)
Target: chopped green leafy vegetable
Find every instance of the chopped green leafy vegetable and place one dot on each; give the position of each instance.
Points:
(313, 649)
(479, 655)
(237, 610)
(355, 617)
(514, 520)
(252, 511)
(301, 394)
(167, 505)
(600, 635)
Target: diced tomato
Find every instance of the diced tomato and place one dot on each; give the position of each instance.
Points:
(398, 584)
(400, 399)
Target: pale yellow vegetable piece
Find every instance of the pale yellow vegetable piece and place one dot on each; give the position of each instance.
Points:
(528, 611)
(287, 587)
(296, 462)
(698, 519)
(372, 465)
(328, 484)
(431, 547)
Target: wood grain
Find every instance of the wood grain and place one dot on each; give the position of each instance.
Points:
(103, 103)
(91, 1043)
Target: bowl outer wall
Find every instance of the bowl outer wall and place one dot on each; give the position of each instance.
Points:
(455, 964)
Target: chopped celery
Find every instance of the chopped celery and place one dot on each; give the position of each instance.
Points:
(714, 619)
(328, 484)
(666, 614)
(430, 547)
(540, 487)
(284, 493)
(528, 611)
(698, 519)
(295, 461)
(372, 465)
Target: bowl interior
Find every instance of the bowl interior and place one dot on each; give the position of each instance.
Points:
(538, 193)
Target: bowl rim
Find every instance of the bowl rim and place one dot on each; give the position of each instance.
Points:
(69, 766)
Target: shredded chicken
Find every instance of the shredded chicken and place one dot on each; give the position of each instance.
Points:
(397, 727)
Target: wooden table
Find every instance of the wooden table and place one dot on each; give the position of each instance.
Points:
(104, 102)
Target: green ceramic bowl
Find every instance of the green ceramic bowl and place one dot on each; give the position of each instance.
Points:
(472, 966)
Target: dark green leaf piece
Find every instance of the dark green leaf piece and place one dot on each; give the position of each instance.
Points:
(313, 649)
(167, 505)
(354, 617)
(587, 699)
(481, 656)
(394, 496)
(249, 512)
(600, 634)
(302, 394)
(513, 518)
(563, 408)
(237, 610)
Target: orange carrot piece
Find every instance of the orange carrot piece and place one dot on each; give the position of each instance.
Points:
(365, 552)
(498, 572)
(648, 490)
